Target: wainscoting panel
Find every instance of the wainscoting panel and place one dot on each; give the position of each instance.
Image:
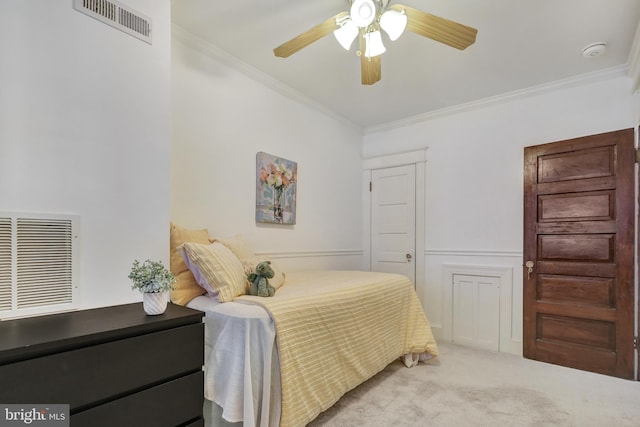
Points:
(466, 315)
(472, 286)
(476, 311)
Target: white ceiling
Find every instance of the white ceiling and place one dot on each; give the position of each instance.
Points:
(520, 44)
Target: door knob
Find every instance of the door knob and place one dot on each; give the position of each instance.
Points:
(408, 257)
(529, 265)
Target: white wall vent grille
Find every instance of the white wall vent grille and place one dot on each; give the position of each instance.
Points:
(117, 15)
(37, 264)
(6, 289)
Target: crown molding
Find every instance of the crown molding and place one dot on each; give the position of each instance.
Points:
(609, 73)
(631, 69)
(203, 46)
(634, 62)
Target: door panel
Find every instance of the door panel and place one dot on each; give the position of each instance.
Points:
(597, 162)
(597, 206)
(393, 210)
(576, 247)
(594, 291)
(476, 311)
(594, 334)
(578, 232)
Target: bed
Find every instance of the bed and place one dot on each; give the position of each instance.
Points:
(284, 359)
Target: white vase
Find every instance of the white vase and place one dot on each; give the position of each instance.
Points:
(155, 302)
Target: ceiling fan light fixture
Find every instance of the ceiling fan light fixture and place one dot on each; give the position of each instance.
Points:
(363, 12)
(373, 44)
(393, 23)
(366, 16)
(346, 34)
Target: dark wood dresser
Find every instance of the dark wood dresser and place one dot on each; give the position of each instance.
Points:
(114, 366)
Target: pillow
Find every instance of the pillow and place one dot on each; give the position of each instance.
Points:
(249, 265)
(185, 288)
(216, 269)
(238, 245)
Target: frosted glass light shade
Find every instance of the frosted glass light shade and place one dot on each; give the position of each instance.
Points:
(393, 23)
(363, 12)
(374, 46)
(346, 34)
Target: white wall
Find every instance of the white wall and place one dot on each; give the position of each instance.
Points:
(84, 129)
(221, 118)
(474, 174)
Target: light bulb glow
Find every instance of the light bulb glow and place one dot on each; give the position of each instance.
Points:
(346, 34)
(393, 23)
(373, 44)
(363, 12)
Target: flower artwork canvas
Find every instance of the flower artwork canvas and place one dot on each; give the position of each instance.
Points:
(276, 180)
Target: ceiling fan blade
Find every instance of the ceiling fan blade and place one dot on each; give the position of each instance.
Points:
(370, 68)
(305, 39)
(439, 29)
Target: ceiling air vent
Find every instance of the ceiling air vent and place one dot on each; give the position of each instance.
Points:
(117, 15)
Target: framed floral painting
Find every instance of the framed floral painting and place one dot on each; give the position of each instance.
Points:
(276, 180)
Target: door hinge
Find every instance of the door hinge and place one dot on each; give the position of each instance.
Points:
(635, 342)
(370, 186)
(637, 155)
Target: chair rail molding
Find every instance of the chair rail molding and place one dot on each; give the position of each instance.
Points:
(312, 254)
(339, 259)
(473, 252)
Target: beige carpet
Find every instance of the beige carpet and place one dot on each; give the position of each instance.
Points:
(468, 387)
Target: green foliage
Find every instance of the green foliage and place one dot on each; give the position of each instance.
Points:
(151, 276)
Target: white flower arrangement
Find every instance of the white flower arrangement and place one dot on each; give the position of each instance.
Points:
(151, 277)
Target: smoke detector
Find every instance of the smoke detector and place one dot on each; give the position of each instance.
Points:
(594, 50)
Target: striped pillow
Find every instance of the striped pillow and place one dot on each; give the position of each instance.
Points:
(216, 269)
(186, 288)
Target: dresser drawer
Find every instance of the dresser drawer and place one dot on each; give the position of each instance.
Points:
(177, 402)
(89, 376)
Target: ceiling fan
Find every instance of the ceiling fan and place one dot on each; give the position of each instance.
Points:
(364, 20)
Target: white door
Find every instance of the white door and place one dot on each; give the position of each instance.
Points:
(393, 220)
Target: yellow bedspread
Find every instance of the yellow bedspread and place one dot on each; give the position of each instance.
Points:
(336, 329)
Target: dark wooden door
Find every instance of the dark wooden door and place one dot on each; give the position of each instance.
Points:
(579, 235)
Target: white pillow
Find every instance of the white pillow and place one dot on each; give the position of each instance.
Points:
(216, 269)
